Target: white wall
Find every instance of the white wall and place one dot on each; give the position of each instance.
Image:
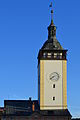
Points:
(51, 66)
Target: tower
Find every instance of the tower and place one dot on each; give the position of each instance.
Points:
(52, 72)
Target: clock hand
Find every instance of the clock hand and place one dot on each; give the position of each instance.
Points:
(52, 77)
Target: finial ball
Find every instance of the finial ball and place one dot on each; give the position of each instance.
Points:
(51, 11)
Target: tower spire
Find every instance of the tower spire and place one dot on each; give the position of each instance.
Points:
(51, 27)
(51, 6)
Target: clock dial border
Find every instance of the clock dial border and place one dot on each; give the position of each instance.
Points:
(54, 76)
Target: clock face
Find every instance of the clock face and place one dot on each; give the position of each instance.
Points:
(54, 76)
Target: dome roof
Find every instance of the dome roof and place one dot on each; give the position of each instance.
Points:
(52, 44)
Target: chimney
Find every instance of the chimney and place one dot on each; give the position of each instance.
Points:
(33, 107)
(29, 98)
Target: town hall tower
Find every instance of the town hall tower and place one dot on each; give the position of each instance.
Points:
(52, 72)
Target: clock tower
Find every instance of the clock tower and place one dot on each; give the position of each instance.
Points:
(52, 73)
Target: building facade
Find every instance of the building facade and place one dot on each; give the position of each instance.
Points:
(52, 86)
(30, 110)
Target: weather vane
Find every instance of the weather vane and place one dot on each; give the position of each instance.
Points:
(51, 6)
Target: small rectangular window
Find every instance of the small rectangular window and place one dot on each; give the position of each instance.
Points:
(53, 98)
(44, 54)
(55, 55)
(49, 55)
(61, 54)
(53, 85)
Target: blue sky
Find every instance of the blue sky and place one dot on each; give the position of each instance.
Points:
(23, 30)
